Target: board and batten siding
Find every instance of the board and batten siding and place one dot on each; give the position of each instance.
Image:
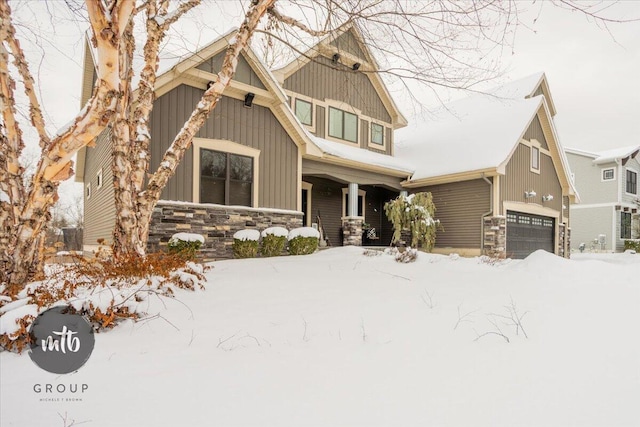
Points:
(254, 127)
(535, 132)
(99, 209)
(347, 42)
(244, 73)
(460, 207)
(519, 178)
(326, 202)
(321, 79)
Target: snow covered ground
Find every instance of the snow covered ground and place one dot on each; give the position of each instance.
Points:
(341, 339)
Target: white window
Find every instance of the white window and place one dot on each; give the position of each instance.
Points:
(304, 111)
(99, 179)
(377, 134)
(88, 193)
(343, 125)
(535, 158)
(608, 174)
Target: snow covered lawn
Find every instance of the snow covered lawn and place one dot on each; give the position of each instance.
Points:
(341, 339)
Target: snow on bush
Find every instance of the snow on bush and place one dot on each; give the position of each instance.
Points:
(304, 232)
(245, 243)
(106, 291)
(303, 241)
(274, 241)
(247, 235)
(414, 214)
(185, 244)
(406, 256)
(275, 231)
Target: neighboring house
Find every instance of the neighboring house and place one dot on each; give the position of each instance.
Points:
(609, 202)
(498, 174)
(312, 141)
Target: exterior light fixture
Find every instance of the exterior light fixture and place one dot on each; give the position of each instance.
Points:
(547, 198)
(356, 66)
(530, 194)
(248, 99)
(335, 58)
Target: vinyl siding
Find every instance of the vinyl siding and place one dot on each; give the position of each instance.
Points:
(244, 72)
(326, 202)
(99, 209)
(254, 127)
(588, 223)
(321, 79)
(519, 178)
(589, 183)
(459, 207)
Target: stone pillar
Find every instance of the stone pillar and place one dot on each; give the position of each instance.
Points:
(562, 240)
(495, 236)
(352, 231)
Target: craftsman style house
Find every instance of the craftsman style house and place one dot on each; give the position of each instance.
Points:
(609, 195)
(313, 143)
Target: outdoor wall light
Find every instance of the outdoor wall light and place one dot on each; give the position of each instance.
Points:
(248, 99)
(530, 194)
(335, 58)
(356, 66)
(547, 198)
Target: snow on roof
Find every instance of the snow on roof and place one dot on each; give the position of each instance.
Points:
(475, 133)
(360, 155)
(616, 154)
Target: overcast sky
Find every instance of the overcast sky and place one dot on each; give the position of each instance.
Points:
(593, 75)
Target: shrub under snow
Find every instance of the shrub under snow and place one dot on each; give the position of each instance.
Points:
(245, 243)
(303, 241)
(274, 241)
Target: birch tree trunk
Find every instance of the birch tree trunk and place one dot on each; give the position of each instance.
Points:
(24, 217)
(133, 219)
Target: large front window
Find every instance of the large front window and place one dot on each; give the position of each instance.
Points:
(225, 178)
(632, 182)
(377, 134)
(343, 125)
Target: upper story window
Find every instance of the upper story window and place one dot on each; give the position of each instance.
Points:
(225, 178)
(88, 191)
(343, 125)
(304, 111)
(631, 186)
(377, 134)
(608, 174)
(535, 158)
(99, 179)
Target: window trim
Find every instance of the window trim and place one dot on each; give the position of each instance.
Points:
(363, 193)
(309, 187)
(295, 109)
(374, 145)
(535, 147)
(230, 148)
(88, 191)
(602, 172)
(626, 181)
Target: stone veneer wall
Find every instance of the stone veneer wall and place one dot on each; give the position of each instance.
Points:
(215, 222)
(495, 236)
(564, 244)
(352, 231)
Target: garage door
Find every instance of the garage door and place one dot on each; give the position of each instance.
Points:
(527, 233)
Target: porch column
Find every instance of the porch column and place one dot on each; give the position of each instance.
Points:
(352, 223)
(404, 193)
(352, 208)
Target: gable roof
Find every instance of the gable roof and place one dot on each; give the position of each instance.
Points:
(608, 156)
(327, 46)
(476, 136)
(180, 69)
